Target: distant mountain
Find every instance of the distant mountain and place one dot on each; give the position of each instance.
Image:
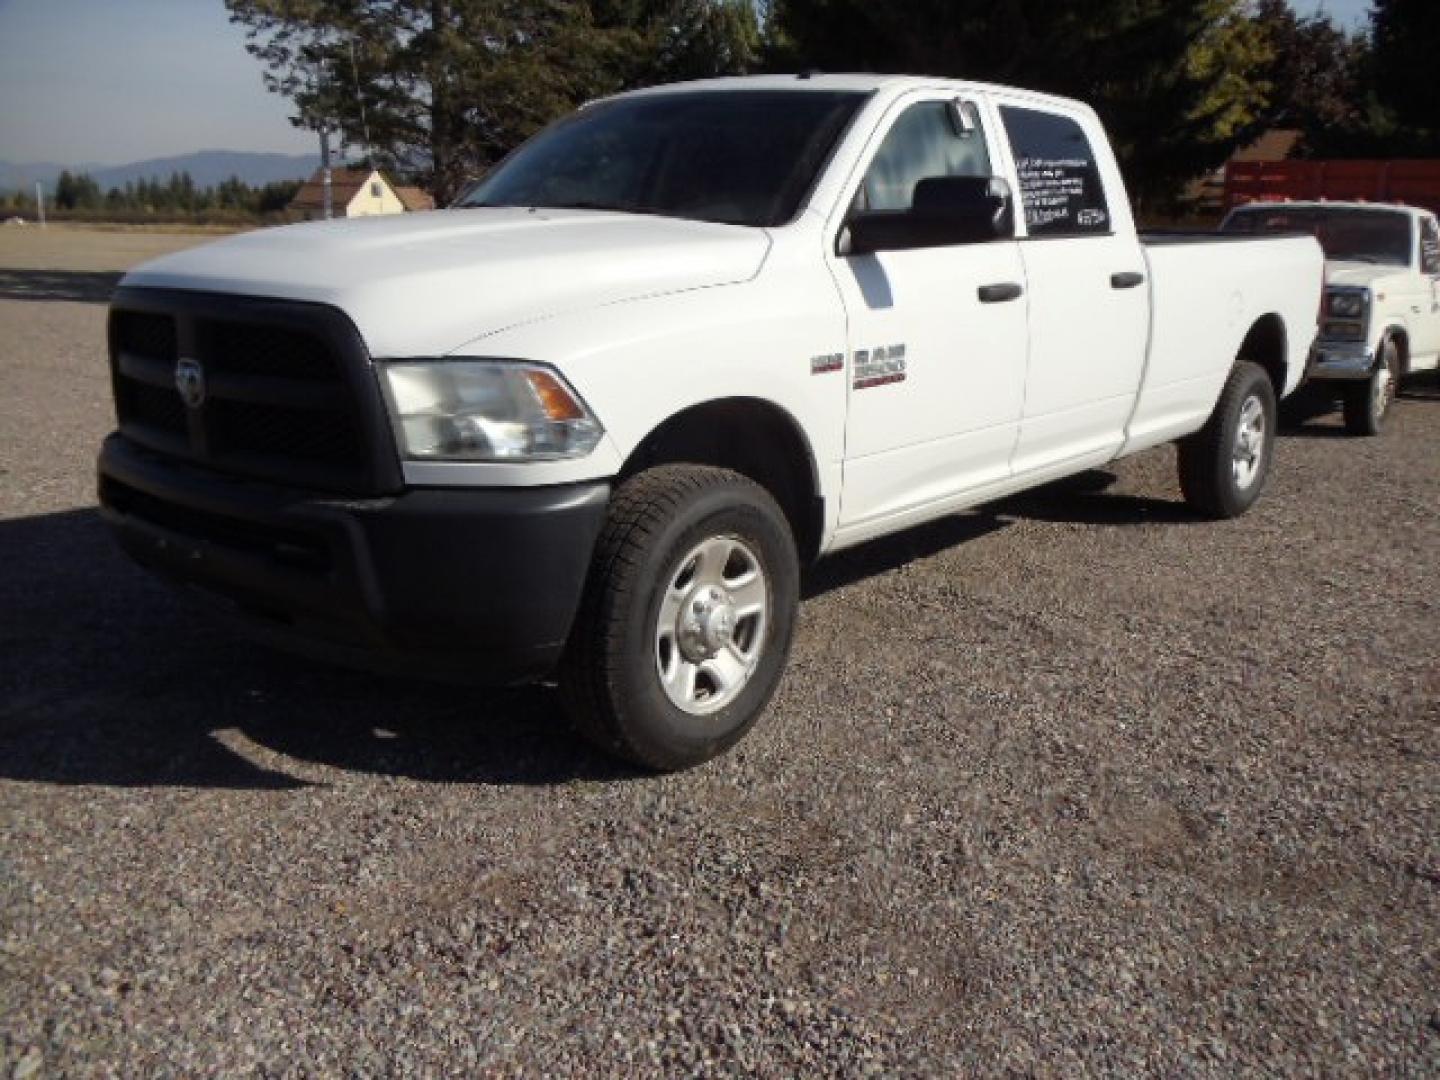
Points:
(207, 168)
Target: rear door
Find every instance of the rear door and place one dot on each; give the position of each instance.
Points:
(1089, 301)
(937, 335)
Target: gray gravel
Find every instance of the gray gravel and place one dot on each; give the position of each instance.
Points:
(1078, 783)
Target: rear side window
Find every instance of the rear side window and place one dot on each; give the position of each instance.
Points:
(1060, 184)
(1429, 247)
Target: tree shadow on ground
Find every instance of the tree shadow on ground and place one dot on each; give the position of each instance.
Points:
(85, 286)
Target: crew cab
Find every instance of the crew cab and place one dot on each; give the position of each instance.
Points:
(589, 423)
(1380, 322)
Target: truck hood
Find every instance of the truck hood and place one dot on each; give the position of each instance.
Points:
(1338, 272)
(425, 284)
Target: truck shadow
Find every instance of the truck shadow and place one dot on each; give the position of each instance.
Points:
(1083, 499)
(1421, 387)
(1086, 499)
(94, 287)
(1313, 413)
(110, 678)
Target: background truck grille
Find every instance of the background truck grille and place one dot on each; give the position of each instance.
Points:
(289, 391)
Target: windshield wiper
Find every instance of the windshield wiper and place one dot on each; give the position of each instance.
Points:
(618, 208)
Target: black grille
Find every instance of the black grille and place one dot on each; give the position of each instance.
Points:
(249, 349)
(144, 333)
(289, 393)
(322, 435)
(152, 406)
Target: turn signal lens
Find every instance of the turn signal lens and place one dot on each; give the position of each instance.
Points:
(557, 401)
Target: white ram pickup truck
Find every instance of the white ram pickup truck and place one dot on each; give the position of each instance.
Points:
(1381, 318)
(589, 423)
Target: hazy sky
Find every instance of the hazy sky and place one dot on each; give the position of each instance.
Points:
(114, 81)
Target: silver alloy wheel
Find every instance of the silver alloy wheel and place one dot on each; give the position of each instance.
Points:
(1382, 387)
(713, 625)
(1249, 452)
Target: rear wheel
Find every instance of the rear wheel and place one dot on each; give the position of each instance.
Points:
(1368, 403)
(685, 625)
(1224, 465)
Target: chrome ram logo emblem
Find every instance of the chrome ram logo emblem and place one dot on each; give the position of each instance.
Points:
(190, 381)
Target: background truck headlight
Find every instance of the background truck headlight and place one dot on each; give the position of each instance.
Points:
(485, 410)
(1345, 305)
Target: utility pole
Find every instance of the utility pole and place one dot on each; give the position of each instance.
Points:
(40, 202)
(325, 170)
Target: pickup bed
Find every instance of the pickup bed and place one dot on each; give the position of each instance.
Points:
(589, 423)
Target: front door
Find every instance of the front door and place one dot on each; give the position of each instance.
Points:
(1425, 341)
(937, 335)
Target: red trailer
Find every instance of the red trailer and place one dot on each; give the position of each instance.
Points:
(1414, 182)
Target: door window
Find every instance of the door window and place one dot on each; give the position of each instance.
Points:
(933, 138)
(1060, 184)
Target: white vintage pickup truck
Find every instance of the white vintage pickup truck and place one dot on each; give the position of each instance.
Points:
(589, 423)
(1381, 318)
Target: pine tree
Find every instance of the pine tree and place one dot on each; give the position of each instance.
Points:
(1169, 77)
(440, 89)
(1406, 36)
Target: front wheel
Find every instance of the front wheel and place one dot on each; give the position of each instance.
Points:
(1367, 403)
(1224, 465)
(686, 621)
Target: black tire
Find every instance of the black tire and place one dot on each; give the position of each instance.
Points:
(1368, 403)
(1208, 458)
(610, 680)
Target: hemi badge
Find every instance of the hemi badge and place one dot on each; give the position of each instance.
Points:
(821, 365)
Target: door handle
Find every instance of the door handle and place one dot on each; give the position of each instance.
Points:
(1128, 280)
(999, 294)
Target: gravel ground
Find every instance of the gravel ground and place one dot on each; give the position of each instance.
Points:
(1077, 783)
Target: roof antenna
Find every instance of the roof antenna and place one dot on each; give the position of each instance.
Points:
(809, 73)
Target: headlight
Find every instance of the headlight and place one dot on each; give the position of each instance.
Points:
(486, 410)
(1346, 305)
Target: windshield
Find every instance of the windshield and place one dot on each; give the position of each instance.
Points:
(744, 157)
(1375, 236)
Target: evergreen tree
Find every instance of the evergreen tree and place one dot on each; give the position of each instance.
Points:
(65, 194)
(1406, 36)
(1316, 74)
(1169, 77)
(440, 89)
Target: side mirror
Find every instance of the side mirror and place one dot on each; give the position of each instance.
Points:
(947, 210)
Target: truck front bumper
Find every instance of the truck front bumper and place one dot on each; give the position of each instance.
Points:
(473, 583)
(1341, 360)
